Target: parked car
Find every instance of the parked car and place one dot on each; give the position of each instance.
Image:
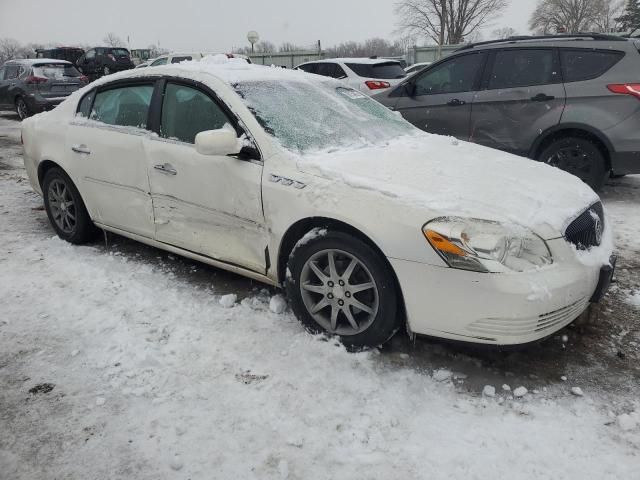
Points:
(569, 100)
(171, 58)
(100, 61)
(416, 67)
(35, 85)
(70, 54)
(369, 75)
(266, 172)
(140, 56)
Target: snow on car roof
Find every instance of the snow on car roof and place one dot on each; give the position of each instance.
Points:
(365, 60)
(33, 61)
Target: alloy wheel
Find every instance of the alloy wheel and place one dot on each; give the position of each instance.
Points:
(339, 292)
(22, 109)
(573, 160)
(62, 206)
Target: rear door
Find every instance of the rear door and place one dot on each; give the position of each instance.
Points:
(522, 96)
(108, 154)
(441, 97)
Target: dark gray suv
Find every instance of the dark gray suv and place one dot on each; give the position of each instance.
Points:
(35, 85)
(570, 101)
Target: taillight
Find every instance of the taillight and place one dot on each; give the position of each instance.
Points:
(376, 85)
(632, 89)
(111, 57)
(33, 80)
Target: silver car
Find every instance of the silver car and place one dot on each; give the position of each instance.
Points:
(35, 85)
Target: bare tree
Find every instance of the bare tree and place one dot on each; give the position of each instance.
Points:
(564, 16)
(289, 47)
(446, 21)
(265, 46)
(10, 49)
(112, 40)
(607, 18)
(504, 32)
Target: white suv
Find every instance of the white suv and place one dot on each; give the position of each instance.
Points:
(369, 75)
(184, 57)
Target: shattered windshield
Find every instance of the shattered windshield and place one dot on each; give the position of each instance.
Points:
(307, 116)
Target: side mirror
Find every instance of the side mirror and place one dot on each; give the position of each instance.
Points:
(218, 142)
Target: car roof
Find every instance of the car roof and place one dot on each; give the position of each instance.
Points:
(581, 40)
(33, 61)
(364, 61)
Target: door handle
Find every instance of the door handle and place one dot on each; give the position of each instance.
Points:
(166, 168)
(456, 103)
(541, 97)
(81, 149)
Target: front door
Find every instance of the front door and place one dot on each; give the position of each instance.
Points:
(523, 96)
(108, 154)
(207, 204)
(441, 97)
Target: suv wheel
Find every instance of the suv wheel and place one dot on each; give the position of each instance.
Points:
(578, 156)
(65, 208)
(22, 109)
(339, 285)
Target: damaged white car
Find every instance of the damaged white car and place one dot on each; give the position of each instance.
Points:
(298, 181)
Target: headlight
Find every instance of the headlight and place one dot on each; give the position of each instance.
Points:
(486, 246)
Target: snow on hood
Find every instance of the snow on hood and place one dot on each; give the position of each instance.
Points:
(457, 178)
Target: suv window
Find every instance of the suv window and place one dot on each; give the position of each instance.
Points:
(160, 61)
(325, 69)
(309, 67)
(523, 67)
(187, 111)
(126, 106)
(180, 59)
(11, 72)
(580, 64)
(383, 71)
(456, 75)
(91, 54)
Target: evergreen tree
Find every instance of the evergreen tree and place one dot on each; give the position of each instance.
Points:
(631, 18)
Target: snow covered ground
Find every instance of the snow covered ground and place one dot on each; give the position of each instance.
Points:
(123, 362)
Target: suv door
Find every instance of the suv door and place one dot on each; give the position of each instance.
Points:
(207, 204)
(439, 99)
(522, 96)
(107, 153)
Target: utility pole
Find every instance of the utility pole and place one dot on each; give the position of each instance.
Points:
(443, 23)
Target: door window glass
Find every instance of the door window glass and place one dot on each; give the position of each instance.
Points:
(160, 61)
(339, 72)
(180, 59)
(187, 111)
(91, 54)
(325, 69)
(523, 68)
(2, 70)
(84, 107)
(11, 72)
(454, 76)
(126, 106)
(578, 65)
(309, 68)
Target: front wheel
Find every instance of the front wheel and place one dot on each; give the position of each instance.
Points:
(22, 109)
(577, 156)
(65, 208)
(339, 285)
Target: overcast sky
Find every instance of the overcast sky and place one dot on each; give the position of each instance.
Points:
(212, 25)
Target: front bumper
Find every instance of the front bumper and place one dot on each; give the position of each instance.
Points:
(496, 309)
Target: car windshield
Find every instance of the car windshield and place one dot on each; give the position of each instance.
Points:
(319, 115)
(55, 71)
(382, 71)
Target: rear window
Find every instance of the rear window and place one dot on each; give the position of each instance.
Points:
(56, 71)
(385, 71)
(120, 52)
(578, 65)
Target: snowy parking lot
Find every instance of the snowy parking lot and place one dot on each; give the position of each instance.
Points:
(121, 361)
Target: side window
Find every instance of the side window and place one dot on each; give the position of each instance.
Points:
(523, 68)
(579, 64)
(180, 59)
(126, 106)
(11, 72)
(325, 69)
(187, 111)
(309, 67)
(90, 54)
(2, 70)
(160, 61)
(456, 75)
(84, 107)
(339, 72)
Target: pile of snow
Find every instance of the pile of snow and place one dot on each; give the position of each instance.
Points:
(634, 299)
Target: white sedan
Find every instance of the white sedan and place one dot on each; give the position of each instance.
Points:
(302, 182)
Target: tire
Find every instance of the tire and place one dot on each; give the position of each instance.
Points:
(22, 109)
(63, 201)
(310, 284)
(578, 156)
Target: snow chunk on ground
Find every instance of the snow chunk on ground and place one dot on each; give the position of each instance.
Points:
(634, 300)
(277, 304)
(441, 375)
(489, 391)
(577, 391)
(228, 301)
(520, 392)
(628, 421)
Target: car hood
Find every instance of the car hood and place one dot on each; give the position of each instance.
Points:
(448, 177)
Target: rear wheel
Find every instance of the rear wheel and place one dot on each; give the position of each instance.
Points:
(65, 208)
(22, 109)
(578, 156)
(340, 285)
